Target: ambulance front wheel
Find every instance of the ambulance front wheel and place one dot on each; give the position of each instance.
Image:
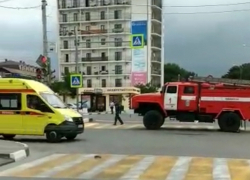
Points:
(153, 120)
(229, 122)
(53, 136)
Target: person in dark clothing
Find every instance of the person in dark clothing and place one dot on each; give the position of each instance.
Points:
(117, 114)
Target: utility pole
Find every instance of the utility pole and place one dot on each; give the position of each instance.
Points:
(45, 38)
(77, 62)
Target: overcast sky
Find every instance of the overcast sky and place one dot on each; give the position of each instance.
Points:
(204, 43)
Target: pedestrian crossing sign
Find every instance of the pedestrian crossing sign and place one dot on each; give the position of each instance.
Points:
(75, 80)
(137, 41)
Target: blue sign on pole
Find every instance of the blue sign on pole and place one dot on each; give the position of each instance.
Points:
(75, 80)
(137, 41)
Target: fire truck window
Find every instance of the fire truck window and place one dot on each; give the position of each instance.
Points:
(188, 90)
(172, 89)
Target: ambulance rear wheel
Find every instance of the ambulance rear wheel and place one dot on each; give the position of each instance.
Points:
(153, 120)
(229, 122)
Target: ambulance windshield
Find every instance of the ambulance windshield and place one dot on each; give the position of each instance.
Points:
(53, 100)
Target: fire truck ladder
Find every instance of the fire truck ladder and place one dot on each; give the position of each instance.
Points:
(212, 80)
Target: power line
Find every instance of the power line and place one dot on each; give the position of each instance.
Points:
(209, 5)
(18, 8)
(214, 12)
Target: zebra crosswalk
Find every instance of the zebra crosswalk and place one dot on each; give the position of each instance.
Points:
(140, 126)
(132, 167)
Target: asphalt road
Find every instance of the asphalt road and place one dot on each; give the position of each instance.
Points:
(133, 142)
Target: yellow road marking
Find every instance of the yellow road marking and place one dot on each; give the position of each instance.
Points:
(46, 166)
(120, 168)
(200, 168)
(91, 125)
(239, 169)
(159, 169)
(82, 167)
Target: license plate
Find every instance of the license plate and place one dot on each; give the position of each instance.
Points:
(80, 126)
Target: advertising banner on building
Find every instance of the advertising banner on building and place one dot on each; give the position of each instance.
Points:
(139, 52)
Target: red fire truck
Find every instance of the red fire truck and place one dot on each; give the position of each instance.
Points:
(202, 99)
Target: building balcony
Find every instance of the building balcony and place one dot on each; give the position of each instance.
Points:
(156, 30)
(107, 85)
(95, 32)
(157, 3)
(98, 60)
(94, 5)
(97, 45)
(106, 73)
(156, 60)
(156, 18)
(156, 72)
(94, 19)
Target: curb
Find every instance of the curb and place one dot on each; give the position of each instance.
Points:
(18, 155)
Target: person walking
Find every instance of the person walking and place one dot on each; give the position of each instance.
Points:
(112, 104)
(117, 114)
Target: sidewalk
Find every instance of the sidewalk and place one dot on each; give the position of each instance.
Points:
(11, 151)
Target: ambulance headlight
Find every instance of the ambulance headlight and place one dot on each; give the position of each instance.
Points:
(68, 118)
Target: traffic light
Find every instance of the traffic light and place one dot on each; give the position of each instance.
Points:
(38, 73)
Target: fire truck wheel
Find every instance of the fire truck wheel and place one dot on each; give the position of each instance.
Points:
(229, 122)
(153, 120)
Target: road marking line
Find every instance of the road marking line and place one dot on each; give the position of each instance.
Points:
(98, 169)
(102, 126)
(160, 168)
(91, 124)
(120, 168)
(139, 168)
(65, 166)
(239, 169)
(132, 126)
(37, 162)
(220, 170)
(31, 172)
(180, 169)
(200, 168)
(82, 167)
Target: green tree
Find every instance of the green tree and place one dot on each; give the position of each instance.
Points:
(147, 88)
(173, 72)
(238, 72)
(63, 87)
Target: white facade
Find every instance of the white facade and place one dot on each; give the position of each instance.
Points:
(105, 54)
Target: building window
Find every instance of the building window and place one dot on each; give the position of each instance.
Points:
(87, 28)
(103, 56)
(102, 15)
(104, 83)
(64, 18)
(75, 17)
(89, 70)
(10, 101)
(118, 42)
(89, 83)
(65, 45)
(88, 56)
(103, 41)
(75, 3)
(118, 82)
(118, 69)
(103, 68)
(66, 70)
(117, 14)
(102, 27)
(88, 43)
(66, 58)
(118, 56)
(102, 3)
(63, 3)
(87, 16)
(118, 26)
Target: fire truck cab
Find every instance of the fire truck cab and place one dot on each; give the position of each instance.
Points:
(200, 99)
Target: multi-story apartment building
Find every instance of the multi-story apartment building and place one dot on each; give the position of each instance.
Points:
(106, 53)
